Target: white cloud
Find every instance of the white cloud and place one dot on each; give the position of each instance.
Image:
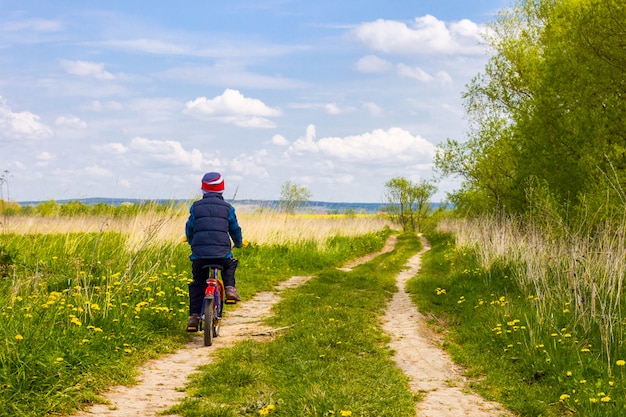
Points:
(279, 140)
(233, 108)
(334, 109)
(98, 171)
(426, 35)
(21, 125)
(414, 72)
(86, 69)
(102, 106)
(373, 109)
(391, 146)
(250, 165)
(112, 148)
(70, 121)
(44, 158)
(373, 64)
(444, 78)
(169, 152)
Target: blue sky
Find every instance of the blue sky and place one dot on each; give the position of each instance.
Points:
(138, 99)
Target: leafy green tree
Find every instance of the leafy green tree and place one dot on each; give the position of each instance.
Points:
(292, 196)
(48, 208)
(73, 208)
(409, 202)
(548, 108)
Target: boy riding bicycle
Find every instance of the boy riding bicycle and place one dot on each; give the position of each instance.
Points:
(211, 225)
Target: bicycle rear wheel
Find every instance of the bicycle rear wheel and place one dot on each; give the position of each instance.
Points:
(209, 318)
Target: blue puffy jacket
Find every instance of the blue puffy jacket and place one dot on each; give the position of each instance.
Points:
(211, 225)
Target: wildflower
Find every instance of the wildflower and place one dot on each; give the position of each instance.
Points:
(605, 399)
(620, 362)
(19, 337)
(59, 359)
(564, 397)
(593, 400)
(345, 413)
(568, 373)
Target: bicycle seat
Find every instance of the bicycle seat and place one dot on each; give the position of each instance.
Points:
(220, 267)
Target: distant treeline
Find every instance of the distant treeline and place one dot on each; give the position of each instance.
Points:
(118, 207)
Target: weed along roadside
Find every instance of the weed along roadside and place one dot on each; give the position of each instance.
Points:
(81, 311)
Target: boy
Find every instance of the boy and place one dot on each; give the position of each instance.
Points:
(211, 225)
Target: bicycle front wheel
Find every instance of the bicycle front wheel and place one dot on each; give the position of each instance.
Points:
(209, 317)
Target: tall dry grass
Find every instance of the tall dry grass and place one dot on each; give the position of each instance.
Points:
(266, 227)
(576, 270)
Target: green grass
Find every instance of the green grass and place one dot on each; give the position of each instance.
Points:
(535, 365)
(80, 311)
(333, 357)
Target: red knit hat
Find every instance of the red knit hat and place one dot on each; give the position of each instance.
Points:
(212, 182)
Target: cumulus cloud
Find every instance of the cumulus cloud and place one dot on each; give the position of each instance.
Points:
(373, 64)
(70, 121)
(279, 140)
(334, 109)
(21, 125)
(391, 146)
(112, 148)
(426, 35)
(168, 152)
(234, 108)
(86, 69)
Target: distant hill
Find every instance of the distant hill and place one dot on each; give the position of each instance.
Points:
(310, 206)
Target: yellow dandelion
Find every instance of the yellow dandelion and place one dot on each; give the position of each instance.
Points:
(564, 397)
(605, 399)
(345, 413)
(568, 373)
(620, 362)
(19, 337)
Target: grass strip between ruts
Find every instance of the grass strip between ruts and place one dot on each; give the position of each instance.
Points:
(333, 360)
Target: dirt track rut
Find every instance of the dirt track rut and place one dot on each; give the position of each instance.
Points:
(160, 381)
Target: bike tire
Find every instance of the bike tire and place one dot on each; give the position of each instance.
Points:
(217, 322)
(209, 318)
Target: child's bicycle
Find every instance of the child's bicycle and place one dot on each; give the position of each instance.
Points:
(213, 304)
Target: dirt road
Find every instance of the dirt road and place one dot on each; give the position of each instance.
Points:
(427, 365)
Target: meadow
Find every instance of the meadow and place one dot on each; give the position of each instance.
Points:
(533, 310)
(87, 298)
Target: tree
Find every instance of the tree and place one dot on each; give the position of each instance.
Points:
(292, 196)
(548, 108)
(409, 202)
